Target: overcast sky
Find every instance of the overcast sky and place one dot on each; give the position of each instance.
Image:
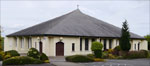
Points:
(18, 15)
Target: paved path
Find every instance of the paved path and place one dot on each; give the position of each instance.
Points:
(60, 61)
(112, 62)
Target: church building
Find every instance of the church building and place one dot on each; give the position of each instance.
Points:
(69, 34)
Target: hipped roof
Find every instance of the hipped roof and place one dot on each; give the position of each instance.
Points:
(74, 23)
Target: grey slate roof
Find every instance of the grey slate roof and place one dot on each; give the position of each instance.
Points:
(74, 23)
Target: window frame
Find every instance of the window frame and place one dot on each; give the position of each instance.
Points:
(73, 47)
(86, 44)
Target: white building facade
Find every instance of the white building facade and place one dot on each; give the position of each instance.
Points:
(70, 34)
(72, 45)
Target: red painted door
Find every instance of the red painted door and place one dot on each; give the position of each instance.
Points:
(60, 49)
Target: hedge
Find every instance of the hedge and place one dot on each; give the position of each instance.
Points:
(78, 58)
(21, 60)
(12, 53)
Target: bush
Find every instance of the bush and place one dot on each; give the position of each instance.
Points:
(4, 55)
(44, 58)
(99, 60)
(1, 55)
(116, 50)
(12, 53)
(33, 53)
(98, 53)
(1, 58)
(105, 54)
(136, 54)
(97, 48)
(21, 60)
(78, 58)
(90, 55)
(111, 56)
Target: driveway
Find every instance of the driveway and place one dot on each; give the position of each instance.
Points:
(60, 61)
(112, 62)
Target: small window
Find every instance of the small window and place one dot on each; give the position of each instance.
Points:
(139, 46)
(73, 47)
(80, 44)
(22, 42)
(35, 45)
(135, 46)
(110, 43)
(86, 44)
(29, 42)
(116, 43)
(105, 42)
(16, 42)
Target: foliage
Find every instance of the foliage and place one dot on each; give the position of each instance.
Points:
(4, 55)
(105, 54)
(97, 49)
(99, 60)
(44, 58)
(136, 54)
(78, 58)
(96, 46)
(111, 56)
(125, 37)
(98, 53)
(33, 53)
(13, 53)
(148, 39)
(116, 50)
(1, 43)
(110, 50)
(108, 55)
(21, 60)
(90, 55)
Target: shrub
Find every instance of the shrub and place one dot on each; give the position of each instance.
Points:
(110, 50)
(1, 55)
(44, 58)
(99, 60)
(33, 53)
(136, 54)
(90, 55)
(111, 56)
(105, 54)
(78, 58)
(6, 56)
(98, 53)
(116, 50)
(21, 60)
(12, 53)
(1, 58)
(97, 48)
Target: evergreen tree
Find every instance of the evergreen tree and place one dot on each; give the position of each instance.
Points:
(148, 39)
(125, 37)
